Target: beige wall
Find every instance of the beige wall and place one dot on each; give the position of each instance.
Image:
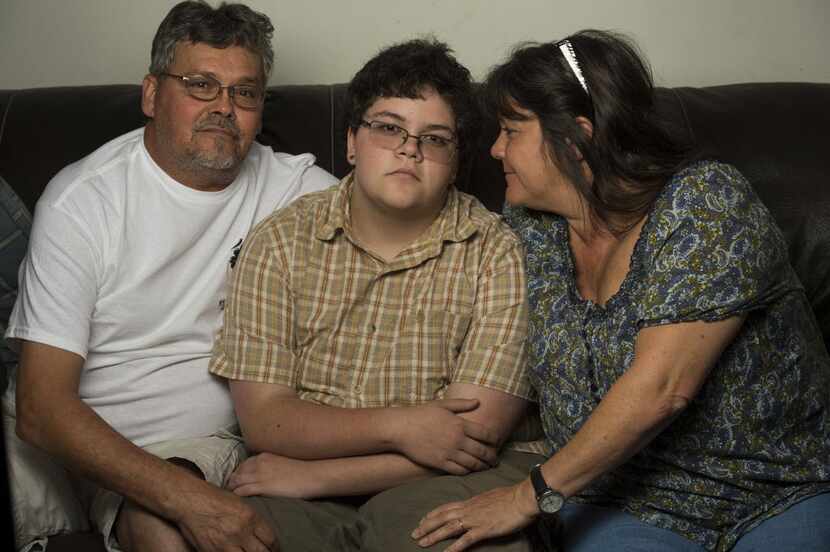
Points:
(689, 42)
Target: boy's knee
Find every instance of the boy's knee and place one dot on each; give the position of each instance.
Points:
(390, 516)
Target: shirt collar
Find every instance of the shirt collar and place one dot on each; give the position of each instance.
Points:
(337, 216)
(452, 223)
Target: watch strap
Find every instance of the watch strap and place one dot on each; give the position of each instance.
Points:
(538, 481)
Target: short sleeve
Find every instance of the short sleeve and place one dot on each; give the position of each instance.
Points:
(493, 352)
(59, 281)
(256, 342)
(710, 250)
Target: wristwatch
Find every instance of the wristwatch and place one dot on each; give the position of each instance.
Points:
(549, 501)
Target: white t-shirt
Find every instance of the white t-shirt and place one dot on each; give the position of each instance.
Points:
(127, 268)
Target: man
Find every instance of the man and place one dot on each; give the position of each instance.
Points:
(121, 294)
(374, 332)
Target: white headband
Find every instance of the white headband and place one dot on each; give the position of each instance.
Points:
(567, 50)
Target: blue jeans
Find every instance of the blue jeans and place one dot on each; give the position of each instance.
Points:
(804, 527)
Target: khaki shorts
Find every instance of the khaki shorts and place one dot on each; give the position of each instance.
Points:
(48, 501)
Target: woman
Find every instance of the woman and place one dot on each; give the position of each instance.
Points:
(681, 376)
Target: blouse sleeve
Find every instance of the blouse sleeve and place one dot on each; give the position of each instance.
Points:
(712, 250)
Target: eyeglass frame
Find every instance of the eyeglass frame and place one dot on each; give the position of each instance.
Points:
(418, 138)
(231, 88)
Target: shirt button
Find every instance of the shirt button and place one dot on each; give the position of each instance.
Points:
(372, 328)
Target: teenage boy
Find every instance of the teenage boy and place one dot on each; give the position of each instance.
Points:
(374, 331)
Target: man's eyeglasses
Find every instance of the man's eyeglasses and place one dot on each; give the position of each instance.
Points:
(244, 96)
(390, 136)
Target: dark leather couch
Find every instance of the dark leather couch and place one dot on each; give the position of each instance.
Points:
(777, 134)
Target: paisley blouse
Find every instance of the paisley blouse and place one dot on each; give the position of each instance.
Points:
(756, 438)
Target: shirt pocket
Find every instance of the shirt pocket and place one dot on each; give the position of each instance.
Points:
(429, 348)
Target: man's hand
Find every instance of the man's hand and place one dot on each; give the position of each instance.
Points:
(274, 475)
(433, 435)
(220, 521)
(52, 416)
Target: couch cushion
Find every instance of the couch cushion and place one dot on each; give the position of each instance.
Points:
(15, 226)
(45, 129)
(777, 134)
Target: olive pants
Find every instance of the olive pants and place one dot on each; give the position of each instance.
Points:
(383, 522)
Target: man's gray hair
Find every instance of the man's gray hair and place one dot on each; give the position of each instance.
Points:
(227, 25)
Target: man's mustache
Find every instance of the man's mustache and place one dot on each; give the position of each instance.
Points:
(218, 122)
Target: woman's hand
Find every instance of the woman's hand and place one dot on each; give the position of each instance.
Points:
(274, 475)
(497, 512)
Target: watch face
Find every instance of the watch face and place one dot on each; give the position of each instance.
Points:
(551, 502)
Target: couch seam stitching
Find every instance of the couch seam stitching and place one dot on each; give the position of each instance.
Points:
(5, 116)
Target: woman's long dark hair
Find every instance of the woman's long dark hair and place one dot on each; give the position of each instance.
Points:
(631, 153)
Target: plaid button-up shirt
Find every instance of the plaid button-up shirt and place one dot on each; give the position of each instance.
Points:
(310, 309)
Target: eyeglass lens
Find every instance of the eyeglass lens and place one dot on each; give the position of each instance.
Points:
(207, 89)
(433, 147)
